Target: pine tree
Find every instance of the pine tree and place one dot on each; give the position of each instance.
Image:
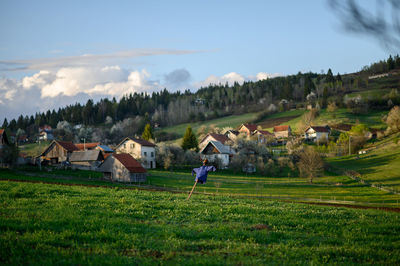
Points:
(147, 133)
(5, 123)
(189, 140)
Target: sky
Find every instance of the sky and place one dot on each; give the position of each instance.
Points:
(56, 53)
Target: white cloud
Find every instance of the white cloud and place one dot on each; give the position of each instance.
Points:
(49, 89)
(233, 77)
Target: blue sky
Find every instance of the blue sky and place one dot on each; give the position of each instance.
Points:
(58, 52)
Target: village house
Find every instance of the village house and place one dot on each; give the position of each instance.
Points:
(46, 133)
(317, 133)
(122, 167)
(215, 150)
(140, 149)
(282, 131)
(213, 137)
(232, 134)
(263, 136)
(86, 160)
(248, 129)
(58, 151)
(87, 146)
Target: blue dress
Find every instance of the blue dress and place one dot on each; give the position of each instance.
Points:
(202, 172)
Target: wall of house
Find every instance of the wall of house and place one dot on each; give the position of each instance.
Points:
(119, 172)
(224, 158)
(56, 151)
(281, 134)
(148, 157)
(131, 147)
(205, 142)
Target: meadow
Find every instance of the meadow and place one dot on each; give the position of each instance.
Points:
(44, 224)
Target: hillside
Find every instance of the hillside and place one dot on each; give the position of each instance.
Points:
(380, 166)
(47, 224)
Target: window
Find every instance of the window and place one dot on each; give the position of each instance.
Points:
(152, 154)
(145, 154)
(132, 146)
(124, 145)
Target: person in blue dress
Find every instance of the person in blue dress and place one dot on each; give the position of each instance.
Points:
(201, 174)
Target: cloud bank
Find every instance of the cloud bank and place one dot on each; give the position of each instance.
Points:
(52, 89)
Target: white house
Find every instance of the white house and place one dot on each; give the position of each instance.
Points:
(216, 150)
(317, 133)
(142, 150)
(213, 137)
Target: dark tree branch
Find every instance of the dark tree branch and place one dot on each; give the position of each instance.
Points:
(357, 19)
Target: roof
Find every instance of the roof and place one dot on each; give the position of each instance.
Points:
(223, 149)
(1, 131)
(281, 128)
(68, 145)
(319, 129)
(251, 127)
(83, 156)
(105, 148)
(139, 141)
(264, 132)
(218, 137)
(130, 163)
(235, 132)
(90, 145)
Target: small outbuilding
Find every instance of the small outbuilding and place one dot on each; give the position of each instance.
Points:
(122, 167)
(58, 151)
(86, 160)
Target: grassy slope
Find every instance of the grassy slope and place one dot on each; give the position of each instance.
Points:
(50, 224)
(34, 149)
(229, 121)
(379, 166)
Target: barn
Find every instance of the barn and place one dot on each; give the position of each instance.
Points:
(122, 167)
(86, 160)
(58, 151)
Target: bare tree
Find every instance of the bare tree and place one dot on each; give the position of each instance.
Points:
(310, 164)
(383, 24)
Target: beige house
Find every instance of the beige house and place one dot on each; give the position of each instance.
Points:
(123, 167)
(263, 136)
(213, 137)
(248, 129)
(282, 131)
(140, 149)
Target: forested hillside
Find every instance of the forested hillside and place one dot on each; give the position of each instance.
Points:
(130, 114)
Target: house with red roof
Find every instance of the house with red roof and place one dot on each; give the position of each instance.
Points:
(58, 151)
(122, 167)
(87, 146)
(248, 129)
(263, 136)
(283, 131)
(142, 150)
(317, 133)
(213, 137)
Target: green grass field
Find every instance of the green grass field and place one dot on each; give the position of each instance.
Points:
(43, 224)
(229, 121)
(380, 166)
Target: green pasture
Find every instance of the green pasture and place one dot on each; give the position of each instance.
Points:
(330, 188)
(228, 121)
(44, 224)
(34, 149)
(380, 166)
